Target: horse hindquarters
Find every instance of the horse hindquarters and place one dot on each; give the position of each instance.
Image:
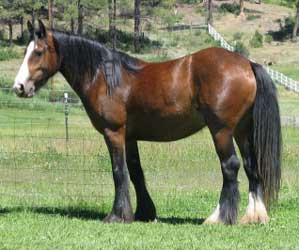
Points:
(226, 92)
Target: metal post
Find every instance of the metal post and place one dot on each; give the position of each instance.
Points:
(66, 113)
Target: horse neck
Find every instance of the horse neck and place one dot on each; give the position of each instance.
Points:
(78, 63)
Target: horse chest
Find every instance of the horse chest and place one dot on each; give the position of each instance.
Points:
(106, 113)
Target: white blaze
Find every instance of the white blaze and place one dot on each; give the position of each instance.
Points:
(24, 74)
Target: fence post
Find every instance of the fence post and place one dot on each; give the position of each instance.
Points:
(66, 118)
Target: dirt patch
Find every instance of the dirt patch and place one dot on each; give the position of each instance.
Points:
(262, 17)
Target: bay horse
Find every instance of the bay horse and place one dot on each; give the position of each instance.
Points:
(128, 100)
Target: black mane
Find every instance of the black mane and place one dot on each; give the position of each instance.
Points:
(86, 57)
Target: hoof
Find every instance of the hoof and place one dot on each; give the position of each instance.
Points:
(145, 217)
(214, 218)
(112, 218)
(254, 219)
(146, 213)
(209, 221)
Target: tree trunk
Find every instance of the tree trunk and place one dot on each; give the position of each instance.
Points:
(210, 12)
(114, 24)
(110, 16)
(137, 26)
(242, 8)
(33, 17)
(80, 18)
(72, 26)
(112, 20)
(10, 32)
(295, 29)
(22, 27)
(50, 13)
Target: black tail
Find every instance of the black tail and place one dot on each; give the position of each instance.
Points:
(267, 134)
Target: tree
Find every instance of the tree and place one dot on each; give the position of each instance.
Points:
(137, 26)
(210, 12)
(75, 12)
(295, 29)
(50, 13)
(112, 21)
(80, 18)
(242, 8)
(10, 14)
(110, 14)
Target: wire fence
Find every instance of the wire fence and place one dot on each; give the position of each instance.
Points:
(51, 154)
(275, 75)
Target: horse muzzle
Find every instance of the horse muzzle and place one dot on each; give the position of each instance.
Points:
(23, 90)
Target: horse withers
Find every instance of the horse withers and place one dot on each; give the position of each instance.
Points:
(128, 100)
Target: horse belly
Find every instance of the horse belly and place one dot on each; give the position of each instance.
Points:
(150, 127)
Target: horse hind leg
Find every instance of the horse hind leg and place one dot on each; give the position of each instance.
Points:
(256, 211)
(227, 209)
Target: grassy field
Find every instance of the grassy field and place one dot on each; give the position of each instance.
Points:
(54, 194)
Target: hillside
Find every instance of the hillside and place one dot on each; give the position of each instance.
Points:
(266, 19)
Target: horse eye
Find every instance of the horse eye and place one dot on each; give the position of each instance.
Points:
(38, 53)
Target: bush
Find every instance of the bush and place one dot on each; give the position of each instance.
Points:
(189, 1)
(210, 41)
(252, 17)
(197, 33)
(257, 40)
(24, 39)
(268, 39)
(233, 8)
(285, 31)
(2, 35)
(238, 35)
(124, 40)
(241, 49)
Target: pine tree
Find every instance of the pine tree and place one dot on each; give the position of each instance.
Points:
(137, 26)
(295, 29)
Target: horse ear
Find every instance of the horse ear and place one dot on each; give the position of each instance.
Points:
(30, 28)
(42, 29)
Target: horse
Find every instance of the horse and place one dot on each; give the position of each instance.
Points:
(128, 100)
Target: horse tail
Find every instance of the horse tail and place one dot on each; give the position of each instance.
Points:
(267, 138)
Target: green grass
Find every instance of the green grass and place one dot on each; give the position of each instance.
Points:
(54, 194)
(290, 70)
(7, 53)
(285, 3)
(179, 227)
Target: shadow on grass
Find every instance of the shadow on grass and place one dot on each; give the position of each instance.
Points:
(71, 212)
(91, 214)
(180, 221)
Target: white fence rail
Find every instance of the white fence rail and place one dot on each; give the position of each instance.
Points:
(275, 75)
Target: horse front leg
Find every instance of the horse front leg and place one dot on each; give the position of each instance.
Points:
(122, 209)
(145, 210)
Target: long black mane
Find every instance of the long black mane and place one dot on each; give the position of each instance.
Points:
(86, 57)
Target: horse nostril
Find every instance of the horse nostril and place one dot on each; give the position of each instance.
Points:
(21, 87)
